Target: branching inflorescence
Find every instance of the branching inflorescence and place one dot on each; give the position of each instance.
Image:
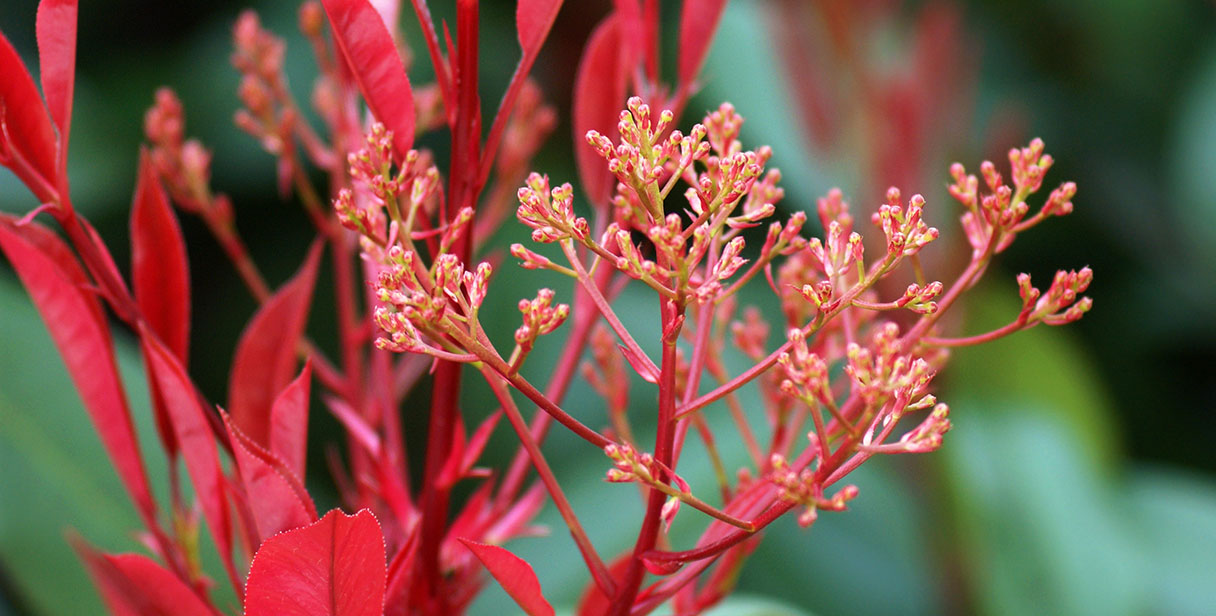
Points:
(691, 218)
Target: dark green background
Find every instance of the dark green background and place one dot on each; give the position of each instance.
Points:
(1078, 478)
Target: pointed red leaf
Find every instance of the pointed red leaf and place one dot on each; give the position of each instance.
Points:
(514, 574)
(533, 19)
(599, 96)
(266, 353)
(333, 567)
(276, 496)
(159, 267)
(593, 602)
(356, 427)
(698, 22)
(135, 585)
(367, 46)
(24, 118)
(188, 417)
(641, 364)
(51, 245)
(289, 422)
(56, 30)
(477, 443)
(84, 344)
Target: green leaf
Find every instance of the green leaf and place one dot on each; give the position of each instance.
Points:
(1041, 370)
(1038, 528)
(56, 474)
(743, 605)
(1175, 517)
(1192, 160)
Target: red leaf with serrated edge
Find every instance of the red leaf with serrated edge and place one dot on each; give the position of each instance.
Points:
(84, 344)
(514, 574)
(333, 567)
(135, 585)
(160, 271)
(289, 422)
(698, 21)
(599, 96)
(189, 419)
(56, 31)
(533, 19)
(27, 127)
(266, 353)
(371, 55)
(275, 495)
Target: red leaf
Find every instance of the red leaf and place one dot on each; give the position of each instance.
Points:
(56, 31)
(50, 244)
(477, 443)
(599, 96)
(159, 267)
(289, 422)
(698, 21)
(514, 574)
(23, 117)
(135, 585)
(333, 567)
(266, 353)
(367, 46)
(188, 417)
(83, 341)
(641, 364)
(275, 496)
(533, 19)
(593, 602)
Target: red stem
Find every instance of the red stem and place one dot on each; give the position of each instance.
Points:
(631, 582)
(427, 592)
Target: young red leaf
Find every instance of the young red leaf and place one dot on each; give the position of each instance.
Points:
(56, 31)
(593, 602)
(26, 126)
(188, 417)
(533, 19)
(84, 344)
(641, 364)
(371, 55)
(477, 442)
(51, 245)
(266, 353)
(159, 268)
(356, 427)
(135, 585)
(333, 567)
(514, 574)
(599, 95)
(275, 496)
(289, 422)
(698, 21)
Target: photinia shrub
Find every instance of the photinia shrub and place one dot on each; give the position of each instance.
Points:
(690, 215)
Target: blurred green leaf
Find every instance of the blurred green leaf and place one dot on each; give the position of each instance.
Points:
(1038, 529)
(1192, 160)
(874, 558)
(1041, 370)
(56, 475)
(742, 605)
(1175, 516)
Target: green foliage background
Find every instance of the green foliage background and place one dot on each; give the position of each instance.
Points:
(1079, 476)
